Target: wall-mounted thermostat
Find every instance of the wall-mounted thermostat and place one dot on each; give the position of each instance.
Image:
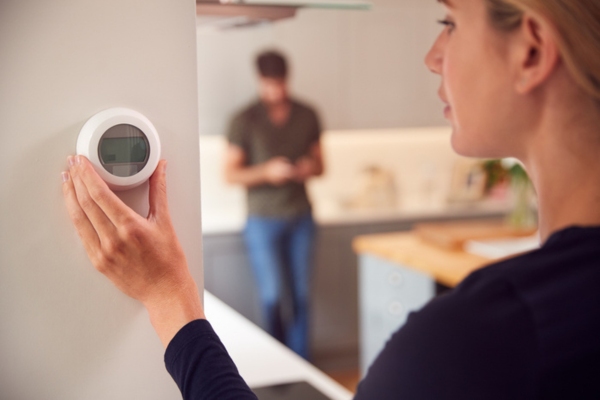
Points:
(123, 146)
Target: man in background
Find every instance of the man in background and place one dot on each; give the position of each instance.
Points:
(274, 148)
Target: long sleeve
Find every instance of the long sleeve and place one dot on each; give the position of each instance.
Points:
(201, 366)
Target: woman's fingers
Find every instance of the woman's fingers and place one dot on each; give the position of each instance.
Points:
(80, 176)
(84, 227)
(116, 211)
(159, 207)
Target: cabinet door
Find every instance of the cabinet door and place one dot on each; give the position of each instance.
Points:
(388, 293)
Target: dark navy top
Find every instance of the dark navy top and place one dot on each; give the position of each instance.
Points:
(524, 328)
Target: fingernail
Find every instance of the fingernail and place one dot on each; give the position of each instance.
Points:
(71, 161)
(78, 160)
(65, 176)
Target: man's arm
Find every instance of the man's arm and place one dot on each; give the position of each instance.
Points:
(277, 171)
(311, 164)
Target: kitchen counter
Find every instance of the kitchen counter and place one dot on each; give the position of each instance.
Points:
(444, 266)
(399, 272)
(215, 222)
(260, 359)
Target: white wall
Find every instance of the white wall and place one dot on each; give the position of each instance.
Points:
(363, 69)
(65, 331)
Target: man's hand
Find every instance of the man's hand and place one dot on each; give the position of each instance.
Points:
(305, 168)
(141, 256)
(279, 171)
(276, 171)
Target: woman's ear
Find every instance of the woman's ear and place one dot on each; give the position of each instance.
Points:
(536, 53)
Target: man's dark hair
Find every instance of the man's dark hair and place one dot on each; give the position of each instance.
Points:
(271, 64)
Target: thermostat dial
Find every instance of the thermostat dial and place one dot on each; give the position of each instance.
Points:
(123, 146)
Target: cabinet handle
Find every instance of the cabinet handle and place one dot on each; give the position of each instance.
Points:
(395, 279)
(396, 308)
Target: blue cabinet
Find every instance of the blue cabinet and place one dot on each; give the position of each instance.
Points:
(388, 292)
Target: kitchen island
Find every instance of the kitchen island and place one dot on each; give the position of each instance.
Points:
(401, 272)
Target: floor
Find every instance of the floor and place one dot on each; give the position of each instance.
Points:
(348, 378)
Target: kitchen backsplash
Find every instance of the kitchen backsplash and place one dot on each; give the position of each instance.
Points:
(368, 173)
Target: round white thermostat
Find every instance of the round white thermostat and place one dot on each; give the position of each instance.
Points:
(123, 146)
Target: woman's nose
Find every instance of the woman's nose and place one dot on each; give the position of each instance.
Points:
(434, 57)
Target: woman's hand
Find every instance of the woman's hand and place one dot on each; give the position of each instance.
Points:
(141, 256)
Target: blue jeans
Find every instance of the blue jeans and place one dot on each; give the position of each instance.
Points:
(281, 254)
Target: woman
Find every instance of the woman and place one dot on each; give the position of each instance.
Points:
(521, 78)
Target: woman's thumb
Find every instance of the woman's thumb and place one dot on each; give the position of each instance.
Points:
(159, 207)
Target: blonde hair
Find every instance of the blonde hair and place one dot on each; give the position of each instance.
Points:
(578, 25)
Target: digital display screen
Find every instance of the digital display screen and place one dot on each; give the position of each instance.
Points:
(123, 150)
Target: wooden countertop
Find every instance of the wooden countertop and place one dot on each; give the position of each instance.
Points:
(448, 267)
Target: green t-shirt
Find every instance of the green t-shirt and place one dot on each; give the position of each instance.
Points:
(255, 134)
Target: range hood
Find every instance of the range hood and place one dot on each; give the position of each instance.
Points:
(226, 14)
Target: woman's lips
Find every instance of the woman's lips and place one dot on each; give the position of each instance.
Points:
(447, 109)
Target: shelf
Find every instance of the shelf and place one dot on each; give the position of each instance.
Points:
(331, 4)
(334, 4)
